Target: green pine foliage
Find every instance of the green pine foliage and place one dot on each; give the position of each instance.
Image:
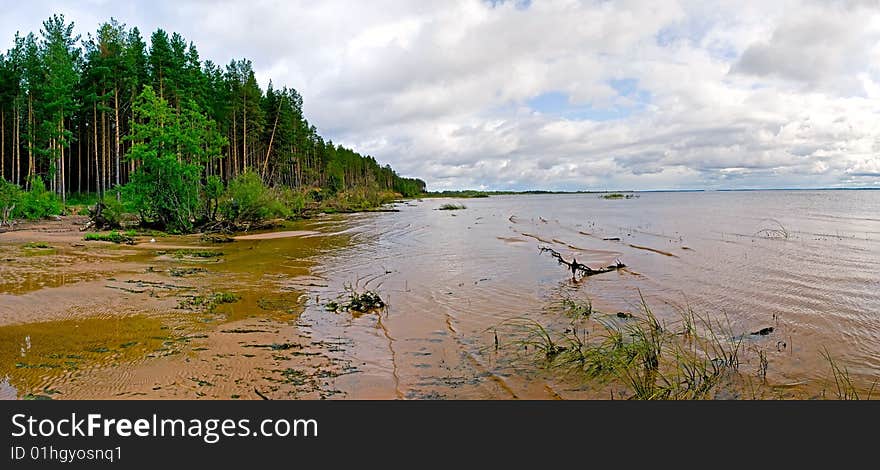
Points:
(180, 133)
(170, 149)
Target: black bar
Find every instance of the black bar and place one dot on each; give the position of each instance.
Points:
(493, 432)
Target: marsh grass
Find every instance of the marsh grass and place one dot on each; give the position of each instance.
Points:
(577, 308)
(691, 358)
(845, 389)
(533, 338)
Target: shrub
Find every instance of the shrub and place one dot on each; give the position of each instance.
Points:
(38, 202)
(248, 200)
(10, 196)
(357, 199)
(295, 201)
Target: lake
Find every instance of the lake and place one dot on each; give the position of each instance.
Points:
(806, 263)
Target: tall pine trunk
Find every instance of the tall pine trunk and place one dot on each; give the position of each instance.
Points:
(105, 166)
(3, 143)
(131, 167)
(30, 172)
(63, 166)
(116, 103)
(16, 151)
(79, 149)
(98, 186)
(244, 134)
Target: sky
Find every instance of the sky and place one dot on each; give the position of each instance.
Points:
(556, 94)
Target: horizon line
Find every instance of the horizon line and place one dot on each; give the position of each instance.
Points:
(858, 188)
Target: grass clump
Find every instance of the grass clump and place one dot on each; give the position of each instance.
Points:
(183, 272)
(452, 207)
(208, 302)
(114, 236)
(37, 246)
(577, 308)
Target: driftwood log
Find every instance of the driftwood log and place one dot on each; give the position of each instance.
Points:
(583, 269)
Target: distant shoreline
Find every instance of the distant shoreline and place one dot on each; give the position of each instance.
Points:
(472, 193)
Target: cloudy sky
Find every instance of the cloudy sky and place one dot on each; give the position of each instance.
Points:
(556, 94)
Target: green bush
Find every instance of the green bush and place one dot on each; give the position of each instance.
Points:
(358, 199)
(295, 201)
(248, 200)
(38, 202)
(10, 194)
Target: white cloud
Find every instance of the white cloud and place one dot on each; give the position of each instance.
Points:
(728, 93)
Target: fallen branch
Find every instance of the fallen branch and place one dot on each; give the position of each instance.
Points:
(576, 267)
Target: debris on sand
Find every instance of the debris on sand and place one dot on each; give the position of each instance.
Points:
(364, 302)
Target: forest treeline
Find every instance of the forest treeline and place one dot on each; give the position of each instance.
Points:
(87, 115)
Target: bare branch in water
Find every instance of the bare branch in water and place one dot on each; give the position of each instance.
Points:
(583, 269)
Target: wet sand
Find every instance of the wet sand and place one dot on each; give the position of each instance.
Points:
(96, 320)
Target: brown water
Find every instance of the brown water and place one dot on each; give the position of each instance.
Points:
(452, 278)
(98, 320)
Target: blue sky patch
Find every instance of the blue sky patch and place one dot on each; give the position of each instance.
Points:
(557, 103)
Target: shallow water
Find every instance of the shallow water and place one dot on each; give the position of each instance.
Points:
(804, 262)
